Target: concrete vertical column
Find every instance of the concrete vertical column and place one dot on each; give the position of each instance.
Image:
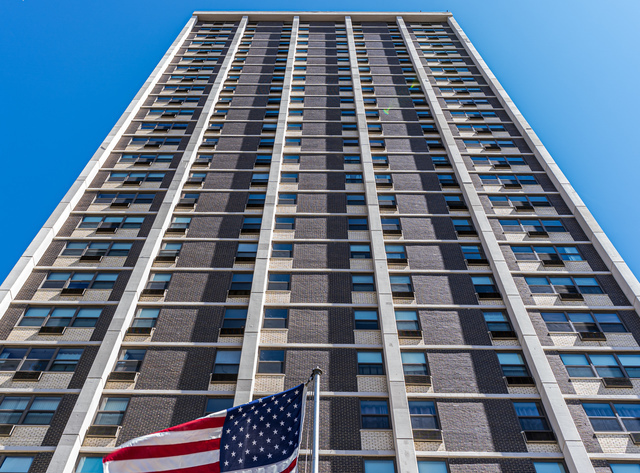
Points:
(569, 440)
(251, 340)
(400, 418)
(65, 455)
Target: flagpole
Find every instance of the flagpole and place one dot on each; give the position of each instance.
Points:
(315, 376)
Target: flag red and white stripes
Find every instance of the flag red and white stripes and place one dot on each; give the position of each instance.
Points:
(193, 447)
(262, 436)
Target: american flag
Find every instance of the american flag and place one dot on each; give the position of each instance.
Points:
(262, 436)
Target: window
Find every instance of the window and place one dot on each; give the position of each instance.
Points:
(583, 322)
(375, 415)
(251, 224)
(519, 202)
(567, 287)
(88, 251)
(241, 284)
(135, 178)
(77, 283)
(145, 318)
(533, 227)
(282, 250)
(111, 411)
(39, 359)
(550, 467)
(246, 251)
(353, 178)
(360, 252)
(380, 160)
(455, 202)
(287, 199)
(423, 415)
(110, 224)
(291, 159)
(414, 363)
(391, 226)
(499, 161)
(447, 180)
(613, 417)
(289, 178)
(256, 200)
(260, 179)
(350, 142)
(157, 285)
(463, 226)
(285, 223)
(370, 363)
(88, 465)
(513, 181)
(387, 201)
(150, 142)
(499, 325)
(263, 160)
(362, 282)
(271, 361)
(366, 319)
(440, 161)
(407, 322)
(485, 287)
(234, 321)
(396, 254)
(266, 143)
(614, 365)
(292, 142)
(130, 360)
(11, 464)
(227, 363)
(352, 159)
(358, 224)
(28, 410)
(123, 200)
(60, 317)
(432, 466)
(401, 286)
(356, 199)
(279, 282)
(217, 404)
(378, 466)
(384, 180)
(275, 318)
(473, 254)
(532, 419)
(513, 366)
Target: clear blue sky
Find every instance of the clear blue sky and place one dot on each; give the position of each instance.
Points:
(70, 68)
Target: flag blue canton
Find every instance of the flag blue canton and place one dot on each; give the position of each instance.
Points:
(263, 432)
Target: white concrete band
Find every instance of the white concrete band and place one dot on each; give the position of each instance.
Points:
(399, 405)
(569, 440)
(253, 326)
(65, 456)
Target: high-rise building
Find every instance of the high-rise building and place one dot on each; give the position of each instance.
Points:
(353, 191)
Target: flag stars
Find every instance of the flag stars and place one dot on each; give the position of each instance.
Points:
(255, 459)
